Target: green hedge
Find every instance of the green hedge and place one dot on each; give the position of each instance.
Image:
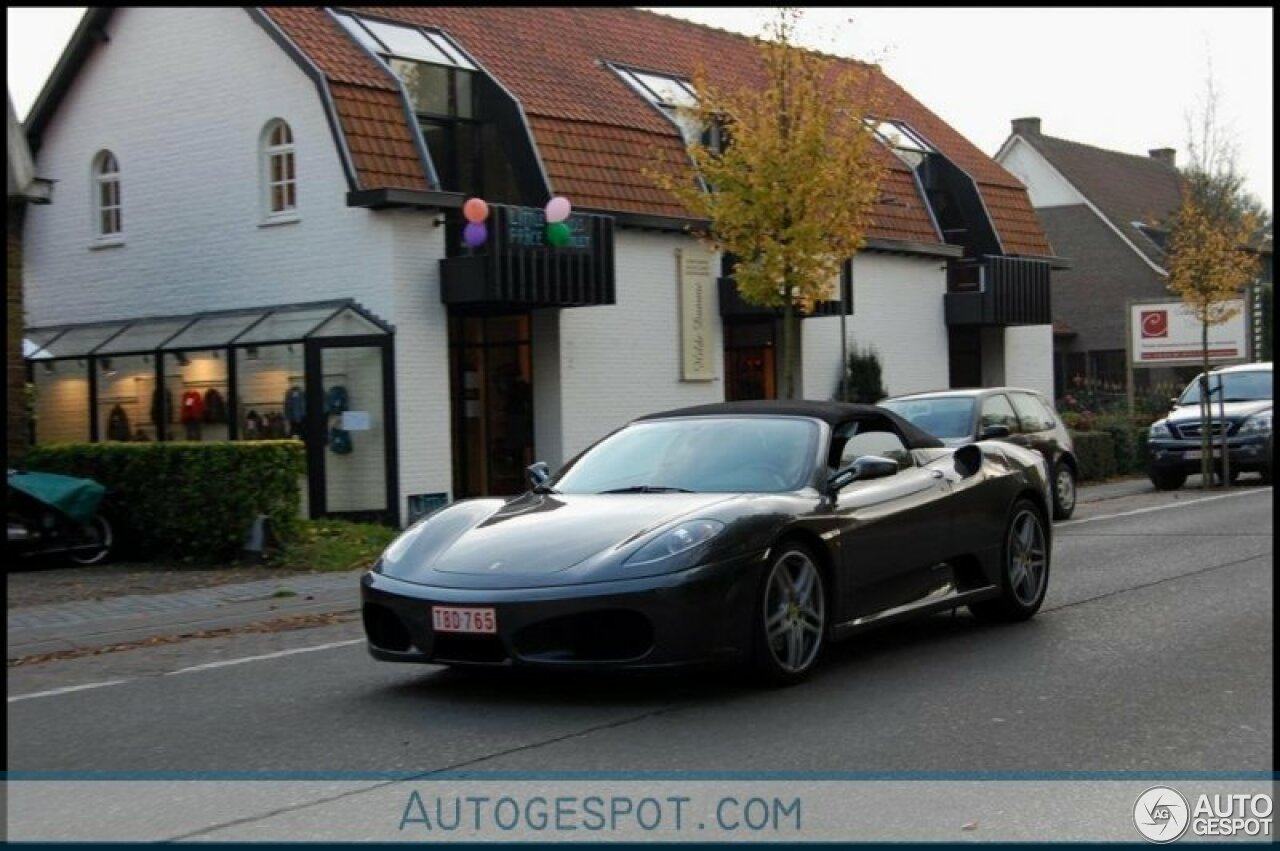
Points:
(1095, 450)
(193, 501)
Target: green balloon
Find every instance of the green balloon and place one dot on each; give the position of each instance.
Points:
(557, 234)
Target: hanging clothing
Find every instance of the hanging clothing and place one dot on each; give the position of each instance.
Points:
(295, 405)
(215, 407)
(118, 424)
(336, 400)
(192, 407)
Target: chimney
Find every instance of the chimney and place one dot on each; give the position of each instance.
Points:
(1167, 156)
(1026, 126)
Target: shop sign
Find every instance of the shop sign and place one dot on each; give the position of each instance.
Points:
(1169, 334)
(527, 228)
(697, 314)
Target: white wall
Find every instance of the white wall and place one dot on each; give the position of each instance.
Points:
(1045, 186)
(180, 96)
(1028, 357)
(422, 357)
(898, 311)
(620, 361)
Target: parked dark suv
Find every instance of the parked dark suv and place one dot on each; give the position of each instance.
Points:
(1014, 414)
(1173, 444)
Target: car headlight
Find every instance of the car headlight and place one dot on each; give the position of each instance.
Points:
(1257, 424)
(1160, 429)
(673, 542)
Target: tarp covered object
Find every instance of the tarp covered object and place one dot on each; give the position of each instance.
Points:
(76, 498)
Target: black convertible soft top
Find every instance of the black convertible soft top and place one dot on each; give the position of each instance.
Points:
(833, 413)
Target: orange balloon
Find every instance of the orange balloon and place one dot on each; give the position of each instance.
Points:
(475, 210)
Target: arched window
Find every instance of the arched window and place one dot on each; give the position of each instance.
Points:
(106, 194)
(280, 191)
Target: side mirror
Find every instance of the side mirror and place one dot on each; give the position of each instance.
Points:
(864, 469)
(994, 432)
(539, 472)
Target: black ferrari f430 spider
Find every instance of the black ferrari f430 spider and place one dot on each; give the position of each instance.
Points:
(750, 532)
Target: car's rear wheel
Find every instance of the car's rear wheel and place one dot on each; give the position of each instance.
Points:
(790, 616)
(91, 541)
(1064, 491)
(1168, 480)
(1024, 577)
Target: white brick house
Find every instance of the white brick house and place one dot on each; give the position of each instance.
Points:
(217, 164)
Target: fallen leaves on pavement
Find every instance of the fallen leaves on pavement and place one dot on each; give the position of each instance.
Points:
(285, 624)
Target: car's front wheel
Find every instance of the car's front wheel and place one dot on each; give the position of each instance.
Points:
(790, 616)
(1024, 577)
(1064, 491)
(91, 542)
(1168, 480)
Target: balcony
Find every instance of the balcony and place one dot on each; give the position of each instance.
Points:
(998, 291)
(516, 269)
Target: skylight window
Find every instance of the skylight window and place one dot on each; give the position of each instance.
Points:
(668, 94)
(405, 41)
(910, 147)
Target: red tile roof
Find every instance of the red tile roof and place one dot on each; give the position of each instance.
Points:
(595, 136)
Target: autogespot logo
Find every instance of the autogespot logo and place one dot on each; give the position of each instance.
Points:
(1161, 814)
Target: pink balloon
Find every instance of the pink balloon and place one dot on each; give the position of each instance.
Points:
(558, 209)
(475, 210)
(474, 234)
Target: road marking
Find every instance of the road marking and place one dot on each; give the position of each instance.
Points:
(208, 666)
(66, 690)
(1181, 504)
(228, 662)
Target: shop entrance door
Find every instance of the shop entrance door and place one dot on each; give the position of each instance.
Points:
(491, 376)
(351, 430)
(749, 366)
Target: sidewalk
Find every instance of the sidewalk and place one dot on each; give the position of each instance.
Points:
(116, 620)
(97, 623)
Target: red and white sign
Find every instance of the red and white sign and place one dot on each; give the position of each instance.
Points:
(1168, 334)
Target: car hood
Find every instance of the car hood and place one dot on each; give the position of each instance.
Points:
(533, 540)
(1234, 411)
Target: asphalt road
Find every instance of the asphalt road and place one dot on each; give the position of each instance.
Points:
(1153, 652)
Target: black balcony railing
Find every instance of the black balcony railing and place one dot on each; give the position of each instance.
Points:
(998, 291)
(516, 267)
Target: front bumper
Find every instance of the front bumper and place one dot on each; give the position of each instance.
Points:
(1247, 453)
(696, 616)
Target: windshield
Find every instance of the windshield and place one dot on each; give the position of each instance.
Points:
(947, 417)
(1236, 387)
(702, 454)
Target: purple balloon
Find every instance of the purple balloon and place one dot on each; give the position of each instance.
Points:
(558, 209)
(475, 234)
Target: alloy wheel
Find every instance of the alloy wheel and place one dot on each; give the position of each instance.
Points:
(794, 619)
(1028, 557)
(1065, 490)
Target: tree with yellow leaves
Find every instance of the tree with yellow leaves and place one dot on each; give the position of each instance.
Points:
(1209, 261)
(790, 195)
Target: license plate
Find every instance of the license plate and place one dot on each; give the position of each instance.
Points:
(455, 619)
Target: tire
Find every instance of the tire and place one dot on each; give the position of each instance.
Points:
(96, 538)
(1167, 480)
(1064, 491)
(789, 617)
(1024, 572)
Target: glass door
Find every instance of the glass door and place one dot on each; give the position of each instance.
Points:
(491, 370)
(351, 430)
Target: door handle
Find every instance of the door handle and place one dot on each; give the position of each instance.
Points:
(937, 474)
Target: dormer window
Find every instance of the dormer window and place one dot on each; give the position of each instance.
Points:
(441, 83)
(910, 147)
(669, 94)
